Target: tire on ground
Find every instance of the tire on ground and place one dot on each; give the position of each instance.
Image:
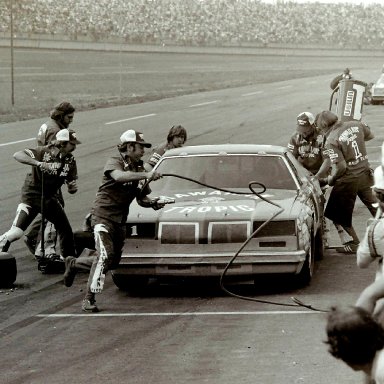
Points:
(8, 270)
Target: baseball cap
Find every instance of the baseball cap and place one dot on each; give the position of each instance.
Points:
(305, 121)
(67, 135)
(132, 136)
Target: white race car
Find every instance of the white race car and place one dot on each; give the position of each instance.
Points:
(377, 91)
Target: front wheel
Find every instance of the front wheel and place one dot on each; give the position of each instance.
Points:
(305, 275)
(129, 283)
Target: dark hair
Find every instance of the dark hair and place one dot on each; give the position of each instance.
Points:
(325, 119)
(353, 335)
(62, 109)
(177, 130)
(124, 146)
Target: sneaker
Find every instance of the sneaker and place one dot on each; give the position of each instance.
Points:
(348, 247)
(89, 306)
(70, 271)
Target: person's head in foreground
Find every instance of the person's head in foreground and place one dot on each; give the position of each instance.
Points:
(354, 337)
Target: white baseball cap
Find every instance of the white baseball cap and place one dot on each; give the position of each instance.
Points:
(67, 135)
(132, 136)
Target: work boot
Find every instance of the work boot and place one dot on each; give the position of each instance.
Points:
(89, 305)
(70, 271)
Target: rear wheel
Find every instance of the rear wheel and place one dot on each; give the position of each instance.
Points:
(129, 283)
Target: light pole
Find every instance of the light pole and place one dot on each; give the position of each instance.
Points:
(12, 81)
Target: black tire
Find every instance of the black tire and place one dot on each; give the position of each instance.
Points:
(129, 283)
(305, 275)
(8, 270)
(319, 244)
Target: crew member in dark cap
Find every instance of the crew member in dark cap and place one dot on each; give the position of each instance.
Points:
(177, 136)
(119, 187)
(52, 166)
(306, 144)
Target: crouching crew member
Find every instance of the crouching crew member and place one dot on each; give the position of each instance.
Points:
(52, 166)
(119, 186)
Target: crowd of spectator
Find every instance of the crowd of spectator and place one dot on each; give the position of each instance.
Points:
(198, 22)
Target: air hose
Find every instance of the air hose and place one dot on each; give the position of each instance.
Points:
(251, 186)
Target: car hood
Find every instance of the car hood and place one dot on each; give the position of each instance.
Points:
(218, 205)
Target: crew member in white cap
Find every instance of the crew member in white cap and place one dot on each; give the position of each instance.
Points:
(60, 118)
(52, 166)
(119, 187)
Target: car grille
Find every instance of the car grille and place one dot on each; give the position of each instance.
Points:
(275, 228)
(225, 232)
(179, 233)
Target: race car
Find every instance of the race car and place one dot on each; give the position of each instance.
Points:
(215, 212)
(377, 91)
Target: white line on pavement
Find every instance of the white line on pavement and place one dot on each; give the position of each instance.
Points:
(199, 105)
(16, 142)
(131, 118)
(153, 314)
(285, 87)
(252, 93)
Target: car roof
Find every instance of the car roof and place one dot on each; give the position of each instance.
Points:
(226, 149)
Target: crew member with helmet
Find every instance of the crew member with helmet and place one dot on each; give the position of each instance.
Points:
(52, 166)
(60, 118)
(177, 136)
(119, 187)
(350, 175)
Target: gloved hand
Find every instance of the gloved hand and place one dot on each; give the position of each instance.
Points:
(72, 187)
(323, 182)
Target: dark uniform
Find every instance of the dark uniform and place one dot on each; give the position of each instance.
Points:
(109, 215)
(347, 142)
(308, 151)
(157, 153)
(62, 169)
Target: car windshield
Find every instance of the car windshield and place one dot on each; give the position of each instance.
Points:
(228, 172)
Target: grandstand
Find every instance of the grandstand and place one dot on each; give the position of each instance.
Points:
(239, 23)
